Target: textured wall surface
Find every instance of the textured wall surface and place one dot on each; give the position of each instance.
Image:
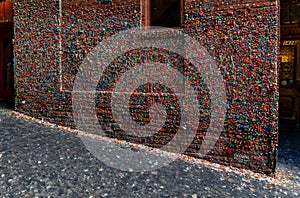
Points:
(242, 36)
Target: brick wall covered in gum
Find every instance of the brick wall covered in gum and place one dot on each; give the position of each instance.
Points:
(240, 35)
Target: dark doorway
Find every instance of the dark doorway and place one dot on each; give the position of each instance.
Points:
(6, 63)
(289, 86)
(289, 61)
(288, 83)
(165, 13)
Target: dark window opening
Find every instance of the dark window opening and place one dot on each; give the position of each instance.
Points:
(290, 11)
(166, 13)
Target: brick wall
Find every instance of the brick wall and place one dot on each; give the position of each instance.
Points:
(241, 35)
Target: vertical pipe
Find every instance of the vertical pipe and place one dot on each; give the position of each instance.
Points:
(60, 45)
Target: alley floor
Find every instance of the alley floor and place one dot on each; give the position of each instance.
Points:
(37, 160)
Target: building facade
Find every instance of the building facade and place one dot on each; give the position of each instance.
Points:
(52, 38)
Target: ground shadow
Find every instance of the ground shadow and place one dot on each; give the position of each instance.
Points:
(289, 147)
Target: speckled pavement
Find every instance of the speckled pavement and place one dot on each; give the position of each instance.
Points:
(43, 161)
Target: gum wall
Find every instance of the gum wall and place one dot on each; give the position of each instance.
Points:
(52, 38)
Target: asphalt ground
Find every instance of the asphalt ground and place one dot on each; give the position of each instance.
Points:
(39, 159)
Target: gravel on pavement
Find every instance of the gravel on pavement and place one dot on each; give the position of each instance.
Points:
(39, 159)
